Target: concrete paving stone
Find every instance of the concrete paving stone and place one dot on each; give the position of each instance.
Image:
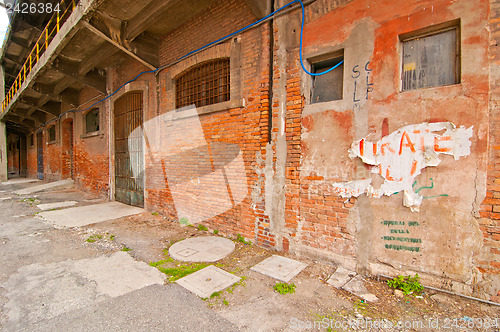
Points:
(357, 287)
(340, 277)
(5, 198)
(89, 214)
(201, 249)
(152, 308)
(56, 205)
(18, 181)
(207, 281)
(279, 267)
(45, 186)
(44, 291)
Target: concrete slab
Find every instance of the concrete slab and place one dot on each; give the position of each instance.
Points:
(341, 277)
(45, 186)
(201, 249)
(43, 291)
(56, 205)
(207, 281)
(18, 181)
(90, 214)
(279, 267)
(357, 287)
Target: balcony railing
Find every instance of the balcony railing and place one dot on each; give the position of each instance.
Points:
(66, 7)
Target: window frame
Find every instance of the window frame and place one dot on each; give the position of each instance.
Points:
(49, 140)
(83, 125)
(85, 128)
(225, 63)
(337, 57)
(231, 49)
(427, 32)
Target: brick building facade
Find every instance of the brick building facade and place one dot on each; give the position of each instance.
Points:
(278, 155)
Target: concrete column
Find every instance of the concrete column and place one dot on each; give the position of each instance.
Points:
(3, 152)
(3, 133)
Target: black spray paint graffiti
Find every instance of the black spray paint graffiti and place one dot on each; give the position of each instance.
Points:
(359, 94)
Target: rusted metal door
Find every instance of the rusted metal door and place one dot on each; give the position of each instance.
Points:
(129, 157)
(39, 154)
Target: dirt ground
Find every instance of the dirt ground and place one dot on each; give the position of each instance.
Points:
(253, 304)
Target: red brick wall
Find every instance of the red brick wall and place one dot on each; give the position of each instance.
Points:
(489, 262)
(321, 222)
(32, 161)
(244, 128)
(91, 153)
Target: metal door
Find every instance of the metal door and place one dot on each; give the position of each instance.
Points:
(39, 154)
(129, 158)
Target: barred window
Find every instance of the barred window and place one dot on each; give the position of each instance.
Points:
(203, 84)
(92, 120)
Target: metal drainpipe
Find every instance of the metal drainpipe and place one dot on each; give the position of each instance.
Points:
(447, 292)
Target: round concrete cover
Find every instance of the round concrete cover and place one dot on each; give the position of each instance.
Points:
(201, 249)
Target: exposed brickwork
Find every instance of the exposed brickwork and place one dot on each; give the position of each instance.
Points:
(91, 152)
(489, 262)
(285, 185)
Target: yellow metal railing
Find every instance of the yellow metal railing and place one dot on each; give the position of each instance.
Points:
(41, 46)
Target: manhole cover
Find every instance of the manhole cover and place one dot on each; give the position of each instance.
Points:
(279, 267)
(207, 281)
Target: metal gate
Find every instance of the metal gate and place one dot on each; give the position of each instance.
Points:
(39, 154)
(129, 158)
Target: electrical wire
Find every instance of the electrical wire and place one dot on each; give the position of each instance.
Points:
(157, 70)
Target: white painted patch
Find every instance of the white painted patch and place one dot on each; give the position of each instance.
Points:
(400, 157)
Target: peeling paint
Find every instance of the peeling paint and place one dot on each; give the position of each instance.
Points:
(400, 157)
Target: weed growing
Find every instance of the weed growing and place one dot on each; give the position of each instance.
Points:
(284, 288)
(125, 248)
(184, 221)
(216, 232)
(408, 285)
(91, 239)
(241, 239)
(202, 227)
(180, 271)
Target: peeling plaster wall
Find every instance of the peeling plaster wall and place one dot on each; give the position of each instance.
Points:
(380, 235)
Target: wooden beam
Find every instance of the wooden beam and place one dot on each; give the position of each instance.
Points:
(120, 47)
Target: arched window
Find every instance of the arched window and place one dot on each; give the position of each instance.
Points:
(204, 84)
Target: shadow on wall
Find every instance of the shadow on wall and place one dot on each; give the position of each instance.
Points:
(205, 178)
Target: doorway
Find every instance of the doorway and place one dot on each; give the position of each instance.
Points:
(129, 156)
(67, 143)
(39, 154)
